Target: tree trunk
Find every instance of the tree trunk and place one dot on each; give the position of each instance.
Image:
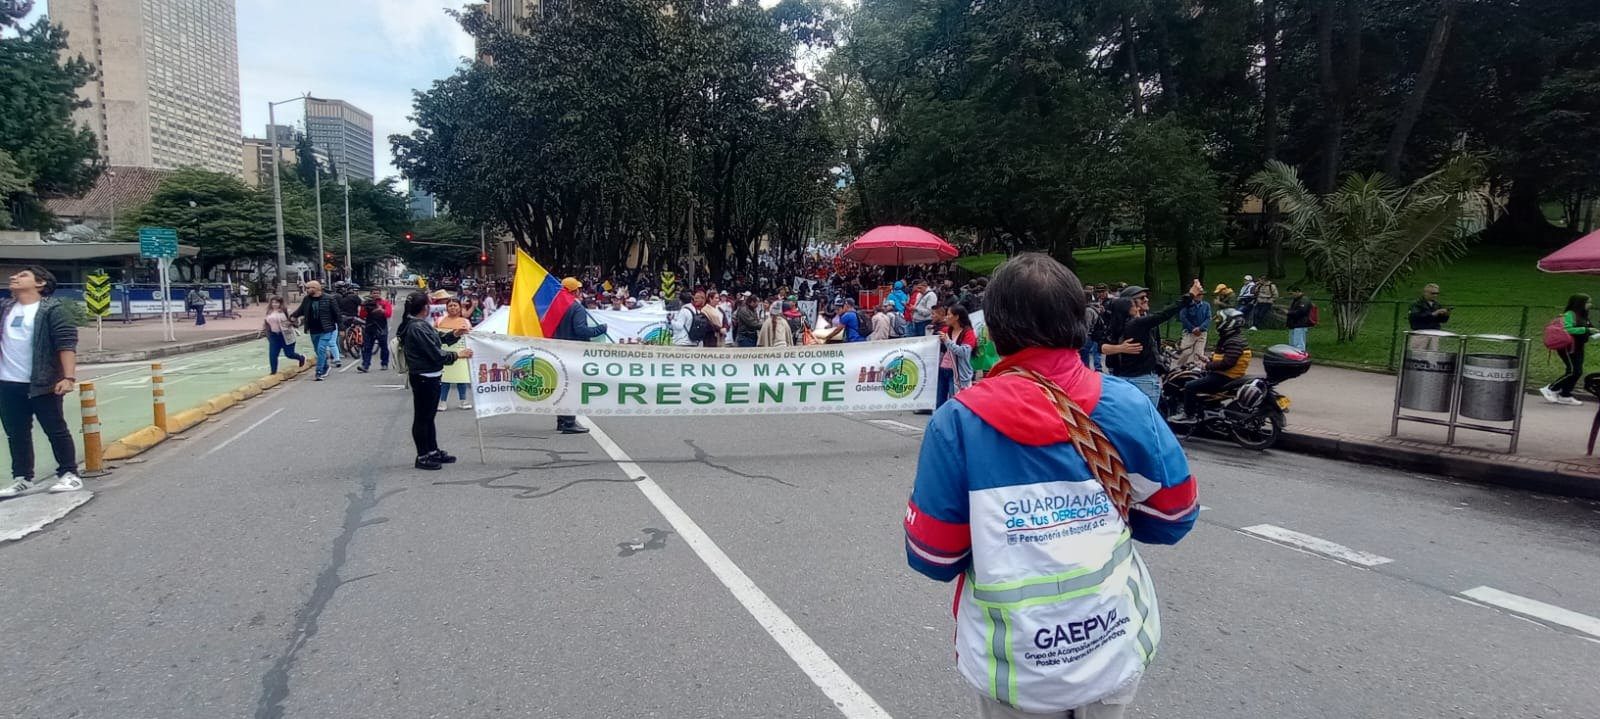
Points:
(1131, 50)
(1431, 61)
(1149, 261)
(1332, 99)
(1348, 316)
(1269, 129)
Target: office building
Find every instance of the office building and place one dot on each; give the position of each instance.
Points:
(423, 206)
(167, 92)
(256, 153)
(511, 13)
(344, 132)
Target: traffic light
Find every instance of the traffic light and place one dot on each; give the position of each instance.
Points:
(483, 257)
(410, 237)
(327, 257)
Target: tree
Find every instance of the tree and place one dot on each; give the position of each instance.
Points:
(451, 246)
(38, 91)
(1174, 194)
(12, 183)
(1372, 232)
(228, 220)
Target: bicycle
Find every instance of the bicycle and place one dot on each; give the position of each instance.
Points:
(351, 338)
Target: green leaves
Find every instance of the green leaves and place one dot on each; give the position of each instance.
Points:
(1371, 232)
(38, 93)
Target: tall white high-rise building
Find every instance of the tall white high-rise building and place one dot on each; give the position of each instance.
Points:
(168, 91)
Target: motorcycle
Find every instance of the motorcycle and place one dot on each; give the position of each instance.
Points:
(1250, 410)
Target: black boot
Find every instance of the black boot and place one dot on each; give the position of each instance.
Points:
(427, 461)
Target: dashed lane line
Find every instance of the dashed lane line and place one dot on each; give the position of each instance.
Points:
(1315, 545)
(1535, 609)
(851, 700)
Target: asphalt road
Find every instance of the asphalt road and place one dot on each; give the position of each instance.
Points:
(286, 561)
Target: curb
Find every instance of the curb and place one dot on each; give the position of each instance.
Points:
(143, 439)
(167, 350)
(1563, 479)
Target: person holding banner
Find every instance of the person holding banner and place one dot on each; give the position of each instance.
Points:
(575, 325)
(456, 374)
(426, 358)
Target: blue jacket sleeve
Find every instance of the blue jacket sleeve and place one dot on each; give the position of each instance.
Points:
(938, 541)
(1166, 498)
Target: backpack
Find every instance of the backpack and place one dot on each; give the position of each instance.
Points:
(1312, 317)
(1556, 336)
(699, 326)
(397, 350)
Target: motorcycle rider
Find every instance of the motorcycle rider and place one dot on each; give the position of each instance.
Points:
(1229, 362)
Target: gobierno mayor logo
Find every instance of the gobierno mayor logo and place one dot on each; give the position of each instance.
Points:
(534, 375)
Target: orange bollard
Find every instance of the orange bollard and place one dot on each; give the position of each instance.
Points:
(94, 461)
(158, 395)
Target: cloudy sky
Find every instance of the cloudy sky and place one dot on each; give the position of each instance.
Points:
(372, 53)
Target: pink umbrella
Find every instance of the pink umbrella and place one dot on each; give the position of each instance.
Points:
(1582, 256)
(899, 245)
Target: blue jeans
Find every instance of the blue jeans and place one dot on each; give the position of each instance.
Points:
(1150, 385)
(1297, 337)
(947, 385)
(199, 315)
(368, 341)
(276, 346)
(919, 328)
(444, 390)
(326, 343)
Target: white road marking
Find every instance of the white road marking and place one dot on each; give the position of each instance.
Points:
(894, 425)
(852, 701)
(1536, 609)
(1316, 545)
(244, 431)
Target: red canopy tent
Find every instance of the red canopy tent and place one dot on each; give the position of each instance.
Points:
(899, 245)
(1581, 257)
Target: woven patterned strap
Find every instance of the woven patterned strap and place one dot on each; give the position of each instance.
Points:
(1102, 456)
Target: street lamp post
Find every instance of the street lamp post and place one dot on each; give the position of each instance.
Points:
(277, 187)
(348, 268)
(320, 252)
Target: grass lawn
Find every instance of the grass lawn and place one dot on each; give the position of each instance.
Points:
(1495, 290)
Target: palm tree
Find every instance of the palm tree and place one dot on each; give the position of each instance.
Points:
(1371, 232)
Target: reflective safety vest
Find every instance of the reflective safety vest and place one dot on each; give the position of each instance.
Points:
(1041, 640)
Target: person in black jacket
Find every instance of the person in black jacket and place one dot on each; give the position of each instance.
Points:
(1230, 361)
(425, 361)
(321, 315)
(1299, 318)
(1131, 340)
(575, 325)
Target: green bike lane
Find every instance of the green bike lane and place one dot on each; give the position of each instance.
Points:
(122, 391)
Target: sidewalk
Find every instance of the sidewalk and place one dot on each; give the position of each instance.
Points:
(143, 339)
(1346, 414)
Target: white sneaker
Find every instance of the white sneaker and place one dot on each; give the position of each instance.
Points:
(1573, 401)
(444, 406)
(18, 486)
(465, 404)
(69, 482)
(1549, 394)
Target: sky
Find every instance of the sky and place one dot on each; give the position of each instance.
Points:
(371, 53)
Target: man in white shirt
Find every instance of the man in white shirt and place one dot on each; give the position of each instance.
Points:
(38, 364)
(684, 318)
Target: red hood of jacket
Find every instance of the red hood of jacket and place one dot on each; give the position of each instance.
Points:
(1018, 409)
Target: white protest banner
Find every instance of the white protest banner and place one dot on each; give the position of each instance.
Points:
(635, 327)
(520, 375)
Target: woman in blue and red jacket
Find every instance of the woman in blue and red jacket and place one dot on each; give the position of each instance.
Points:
(1055, 611)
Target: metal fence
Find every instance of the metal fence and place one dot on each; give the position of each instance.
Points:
(1380, 343)
(131, 301)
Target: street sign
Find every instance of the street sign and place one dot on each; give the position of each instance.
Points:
(158, 242)
(97, 295)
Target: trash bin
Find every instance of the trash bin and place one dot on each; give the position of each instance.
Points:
(1489, 386)
(1429, 378)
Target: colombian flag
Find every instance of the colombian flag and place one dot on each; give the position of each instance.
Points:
(537, 300)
